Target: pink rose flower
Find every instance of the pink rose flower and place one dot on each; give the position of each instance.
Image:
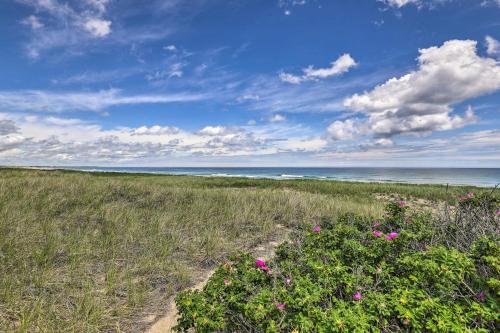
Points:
(317, 228)
(357, 296)
(393, 235)
(227, 282)
(260, 263)
(402, 203)
(389, 238)
(281, 306)
(377, 233)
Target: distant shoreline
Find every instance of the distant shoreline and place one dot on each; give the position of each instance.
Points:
(479, 177)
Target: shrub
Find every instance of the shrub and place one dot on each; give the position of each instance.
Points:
(357, 275)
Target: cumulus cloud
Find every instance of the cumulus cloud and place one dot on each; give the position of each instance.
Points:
(422, 100)
(306, 145)
(48, 140)
(343, 130)
(98, 27)
(154, 130)
(401, 3)
(276, 118)
(337, 67)
(7, 127)
(39, 100)
(171, 48)
(216, 130)
(10, 138)
(492, 46)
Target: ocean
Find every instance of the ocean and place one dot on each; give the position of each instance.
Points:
(484, 177)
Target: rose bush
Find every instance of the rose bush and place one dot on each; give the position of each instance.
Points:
(359, 275)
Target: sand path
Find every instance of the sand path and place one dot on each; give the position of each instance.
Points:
(169, 319)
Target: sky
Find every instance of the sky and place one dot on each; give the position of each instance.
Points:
(326, 83)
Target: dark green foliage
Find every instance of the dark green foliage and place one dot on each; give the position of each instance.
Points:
(349, 278)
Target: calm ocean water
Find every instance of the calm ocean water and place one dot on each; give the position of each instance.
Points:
(453, 176)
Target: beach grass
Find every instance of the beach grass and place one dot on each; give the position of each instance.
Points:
(98, 252)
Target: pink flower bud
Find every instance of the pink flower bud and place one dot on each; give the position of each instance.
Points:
(317, 228)
(357, 296)
(227, 282)
(393, 235)
(260, 263)
(377, 233)
(281, 306)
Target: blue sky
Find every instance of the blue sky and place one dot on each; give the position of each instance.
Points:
(250, 83)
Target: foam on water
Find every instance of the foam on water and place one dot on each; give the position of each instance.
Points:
(485, 177)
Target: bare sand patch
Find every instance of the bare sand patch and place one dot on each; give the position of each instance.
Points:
(165, 322)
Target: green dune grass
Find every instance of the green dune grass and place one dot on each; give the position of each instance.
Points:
(82, 252)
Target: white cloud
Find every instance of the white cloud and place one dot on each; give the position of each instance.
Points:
(26, 139)
(417, 3)
(286, 77)
(39, 100)
(99, 5)
(276, 118)
(154, 130)
(214, 130)
(492, 46)
(401, 3)
(42, 142)
(337, 67)
(33, 22)
(98, 28)
(343, 130)
(7, 126)
(422, 100)
(171, 48)
(384, 142)
(63, 121)
(67, 24)
(486, 3)
(176, 70)
(248, 97)
(305, 145)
